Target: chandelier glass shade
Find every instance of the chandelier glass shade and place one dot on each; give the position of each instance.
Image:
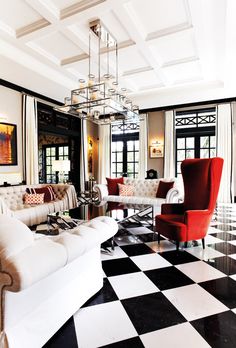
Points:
(100, 100)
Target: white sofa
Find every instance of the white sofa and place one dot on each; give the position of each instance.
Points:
(45, 280)
(144, 193)
(12, 202)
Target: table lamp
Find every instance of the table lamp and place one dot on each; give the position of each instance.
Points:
(61, 166)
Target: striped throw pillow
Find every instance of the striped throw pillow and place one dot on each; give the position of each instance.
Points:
(49, 194)
(35, 198)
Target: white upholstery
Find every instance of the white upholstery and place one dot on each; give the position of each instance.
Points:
(144, 193)
(12, 203)
(30, 262)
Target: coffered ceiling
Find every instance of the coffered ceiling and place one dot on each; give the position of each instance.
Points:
(163, 44)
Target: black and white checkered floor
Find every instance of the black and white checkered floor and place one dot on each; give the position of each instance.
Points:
(154, 296)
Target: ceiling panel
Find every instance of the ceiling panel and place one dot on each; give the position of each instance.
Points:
(126, 61)
(114, 26)
(174, 47)
(56, 45)
(144, 80)
(61, 4)
(17, 14)
(156, 15)
(185, 72)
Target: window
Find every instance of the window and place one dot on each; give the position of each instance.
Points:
(50, 153)
(195, 135)
(125, 150)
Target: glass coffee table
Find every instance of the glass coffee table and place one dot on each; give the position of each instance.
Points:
(132, 215)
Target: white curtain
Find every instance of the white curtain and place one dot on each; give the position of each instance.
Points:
(83, 155)
(143, 146)
(104, 153)
(225, 150)
(169, 147)
(30, 140)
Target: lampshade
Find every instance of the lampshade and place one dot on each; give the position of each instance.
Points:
(61, 165)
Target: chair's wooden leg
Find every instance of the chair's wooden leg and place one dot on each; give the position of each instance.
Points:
(185, 244)
(177, 245)
(203, 243)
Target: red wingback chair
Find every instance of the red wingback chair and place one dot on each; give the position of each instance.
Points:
(190, 220)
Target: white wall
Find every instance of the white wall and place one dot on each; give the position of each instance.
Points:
(10, 112)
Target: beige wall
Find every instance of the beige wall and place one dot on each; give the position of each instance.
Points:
(10, 112)
(156, 124)
(92, 130)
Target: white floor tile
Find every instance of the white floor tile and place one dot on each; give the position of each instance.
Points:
(234, 310)
(193, 302)
(102, 324)
(233, 256)
(204, 254)
(150, 261)
(118, 253)
(139, 230)
(132, 284)
(164, 245)
(213, 230)
(212, 240)
(174, 337)
(233, 242)
(233, 277)
(200, 271)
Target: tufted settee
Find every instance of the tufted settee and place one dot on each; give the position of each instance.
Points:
(12, 202)
(45, 280)
(144, 193)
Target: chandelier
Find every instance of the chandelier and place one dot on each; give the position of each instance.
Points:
(100, 99)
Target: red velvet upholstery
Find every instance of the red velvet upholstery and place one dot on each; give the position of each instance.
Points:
(190, 219)
(163, 188)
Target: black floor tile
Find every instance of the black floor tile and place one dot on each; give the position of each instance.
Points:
(224, 227)
(218, 330)
(224, 236)
(224, 289)
(178, 257)
(148, 237)
(119, 266)
(151, 312)
(134, 342)
(168, 278)
(138, 249)
(225, 264)
(106, 294)
(224, 220)
(64, 337)
(224, 247)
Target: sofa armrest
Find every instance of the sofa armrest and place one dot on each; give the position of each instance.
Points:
(4, 208)
(102, 191)
(173, 195)
(67, 194)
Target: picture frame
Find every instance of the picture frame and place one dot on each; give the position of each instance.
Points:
(156, 151)
(8, 144)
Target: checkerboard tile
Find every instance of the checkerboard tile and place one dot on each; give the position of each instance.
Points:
(152, 293)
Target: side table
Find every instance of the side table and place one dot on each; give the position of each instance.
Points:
(87, 197)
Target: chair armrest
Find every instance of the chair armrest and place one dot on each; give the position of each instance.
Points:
(102, 190)
(198, 222)
(173, 195)
(172, 208)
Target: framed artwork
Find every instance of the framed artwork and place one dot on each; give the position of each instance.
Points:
(8, 144)
(156, 151)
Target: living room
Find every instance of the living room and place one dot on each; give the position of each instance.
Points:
(115, 89)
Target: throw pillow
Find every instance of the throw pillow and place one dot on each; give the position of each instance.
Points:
(112, 185)
(163, 188)
(126, 190)
(49, 194)
(35, 198)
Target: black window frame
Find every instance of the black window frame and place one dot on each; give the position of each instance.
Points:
(57, 156)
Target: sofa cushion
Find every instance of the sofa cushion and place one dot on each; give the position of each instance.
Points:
(163, 188)
(14, 236)
(112, 184)
(49, 194)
